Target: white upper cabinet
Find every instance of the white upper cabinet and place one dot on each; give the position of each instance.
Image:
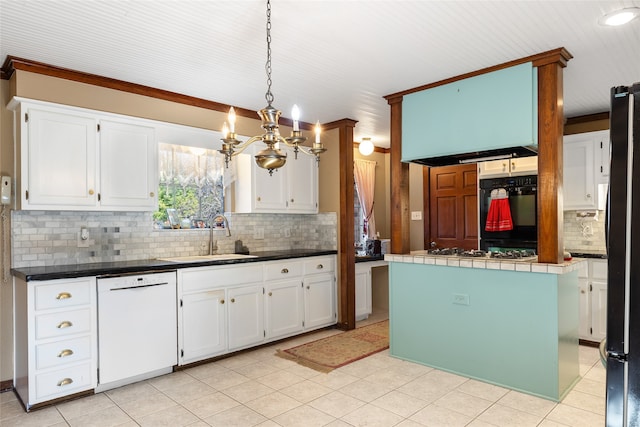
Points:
(77, 159)
(58, 155)
(291, 189)
(517, 166)
(128, 165)
(586, 169)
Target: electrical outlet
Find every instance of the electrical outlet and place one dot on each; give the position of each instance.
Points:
(461, 299)
(287, 232)
(83, 238)
(416, 215)
(258, 233)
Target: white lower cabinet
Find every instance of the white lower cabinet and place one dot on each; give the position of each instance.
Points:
(204, 325)
(320, 292)
(55, 338)
(227, 308)
(246, 318)
(320, 306)
(363, 291)
(284, 307)
(592, 281)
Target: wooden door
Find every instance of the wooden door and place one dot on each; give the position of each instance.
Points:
(453, 207)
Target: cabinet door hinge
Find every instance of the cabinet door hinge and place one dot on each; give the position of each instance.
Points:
(98, 373)
(99, 197)
(591, 331)
(26, 194)
(26, 117)
(264, 333)
(600, 144)
(98, 127)
(262, 291)
(180, 303)
(601, 169)
(303, 323)
(181, 353)
(590, 287)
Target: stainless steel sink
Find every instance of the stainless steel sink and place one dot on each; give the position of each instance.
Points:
(201, 258)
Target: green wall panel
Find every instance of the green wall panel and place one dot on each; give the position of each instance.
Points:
(489, 111)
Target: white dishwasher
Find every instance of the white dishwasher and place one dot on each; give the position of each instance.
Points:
(137, 328)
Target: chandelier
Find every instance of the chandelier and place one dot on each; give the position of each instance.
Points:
(271, 157)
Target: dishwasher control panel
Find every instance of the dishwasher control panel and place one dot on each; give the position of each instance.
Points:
(139, 280)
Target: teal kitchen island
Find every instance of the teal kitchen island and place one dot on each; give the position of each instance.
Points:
(510, 323)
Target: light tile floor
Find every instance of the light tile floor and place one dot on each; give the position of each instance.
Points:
(257, 388)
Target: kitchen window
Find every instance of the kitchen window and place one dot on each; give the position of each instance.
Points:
(191, 182)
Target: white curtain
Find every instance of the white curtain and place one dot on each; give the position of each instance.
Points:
(364, 172)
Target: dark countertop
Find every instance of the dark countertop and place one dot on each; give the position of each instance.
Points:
(152, 265)
(588, 255)
(366, 258)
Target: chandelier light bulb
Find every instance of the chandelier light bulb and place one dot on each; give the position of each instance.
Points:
(295, 115)
(225, 130)
(232, 120)
(318, 132)
(365, 147)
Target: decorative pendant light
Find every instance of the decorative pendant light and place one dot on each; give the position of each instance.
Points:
(271, 157)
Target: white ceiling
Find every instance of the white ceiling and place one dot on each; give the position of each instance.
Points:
(335, 59)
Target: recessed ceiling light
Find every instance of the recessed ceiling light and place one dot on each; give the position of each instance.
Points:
(620, 17)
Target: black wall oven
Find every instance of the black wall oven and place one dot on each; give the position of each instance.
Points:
(523, 202)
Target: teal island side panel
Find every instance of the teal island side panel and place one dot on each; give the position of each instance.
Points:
(485, 112)
(503, 327)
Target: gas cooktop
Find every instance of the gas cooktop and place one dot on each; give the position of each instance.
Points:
(514, 254)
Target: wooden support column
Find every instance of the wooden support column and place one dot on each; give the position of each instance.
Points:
(346, 238)
(550, 131)
(400, 217)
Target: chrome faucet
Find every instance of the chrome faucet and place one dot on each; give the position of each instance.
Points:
(212, 222)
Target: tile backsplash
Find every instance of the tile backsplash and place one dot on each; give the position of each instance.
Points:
(584, 235)
(43, 238)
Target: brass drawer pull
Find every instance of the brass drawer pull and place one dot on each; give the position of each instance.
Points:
(233, 300)
(320, 266)
(63, 295)
(64, 324)
(65, 353)
(91, 192)
(222, 301)
(65, 381)
(284, 271)
(270, 293)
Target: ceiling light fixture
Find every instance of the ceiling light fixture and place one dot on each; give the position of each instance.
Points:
(365, 147)
(271, 157)
(620, 17)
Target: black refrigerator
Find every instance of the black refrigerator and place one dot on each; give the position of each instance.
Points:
(623, 250)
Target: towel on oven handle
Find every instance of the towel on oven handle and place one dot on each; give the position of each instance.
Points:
(499, 216)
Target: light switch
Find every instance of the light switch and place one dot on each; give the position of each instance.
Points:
(416, 215)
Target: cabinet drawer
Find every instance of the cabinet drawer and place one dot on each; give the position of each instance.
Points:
(599, 269)
(197, 279)
(60, 294)
(283, 270)
(319, 265)
(64, 381)
(61, 352)
(63, 323)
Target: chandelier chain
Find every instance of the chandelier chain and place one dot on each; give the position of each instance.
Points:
(268, 96)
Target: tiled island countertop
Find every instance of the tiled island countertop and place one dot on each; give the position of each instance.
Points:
(525, 265)
(506, 322)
